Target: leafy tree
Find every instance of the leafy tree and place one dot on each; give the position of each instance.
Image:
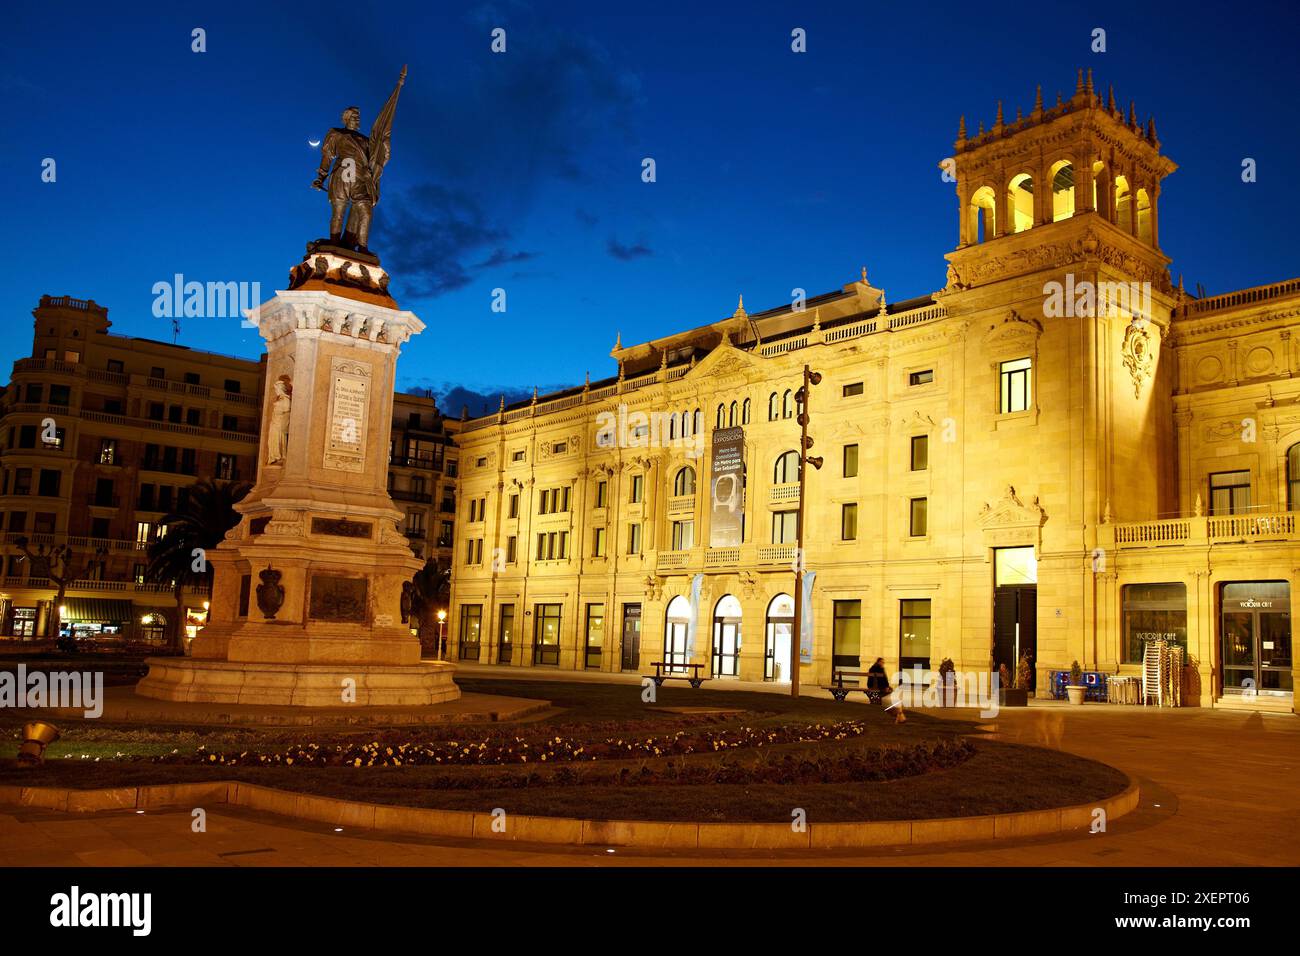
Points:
(179, 555)
(430, 594)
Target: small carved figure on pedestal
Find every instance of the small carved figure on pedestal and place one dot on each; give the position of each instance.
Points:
(277, 435)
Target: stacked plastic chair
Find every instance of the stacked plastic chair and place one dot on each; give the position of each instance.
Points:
(1155, 667)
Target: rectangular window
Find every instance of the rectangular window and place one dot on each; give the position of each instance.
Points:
(638, 484)
(1229, 492)
(602, 491)
(914, 634)
(108, 451)
(445, 536)
(923, 377)
(918, 523)
(232, 386)
(517, 456)
(60, 395)
(226, 467)
(846, 634)
(471, 629)
(49, 483)
(44, 522)
(1153, 612)
(1016, 384)
(546, 634)
(920, 452)
(855, 388)
(595, 635)
(191, 378)
(35, 394)
(634, 539)
(512, 549)
(506, 634)
(18, 521)
(514, 507)
(22, 481)
(26, 436)
(115, 365)
(189, 461)
(849, 521)
(193, 416)
(598, 542)
(785, 527)
(850, 461)
(230, 423)
(137, 575)
(144, 532)
(683, 535)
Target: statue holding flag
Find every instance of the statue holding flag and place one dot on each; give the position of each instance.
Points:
(358, 162)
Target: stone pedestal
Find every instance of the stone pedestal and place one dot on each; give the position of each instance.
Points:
(306, 605)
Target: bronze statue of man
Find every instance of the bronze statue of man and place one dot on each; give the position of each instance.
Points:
(358, 162)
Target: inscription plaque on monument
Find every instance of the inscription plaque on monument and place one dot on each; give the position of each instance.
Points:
(336, 598)
(345, 446)
(341, 527)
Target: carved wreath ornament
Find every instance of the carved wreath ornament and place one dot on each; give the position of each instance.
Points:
(1139, 350)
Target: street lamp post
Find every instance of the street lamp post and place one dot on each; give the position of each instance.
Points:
(805, 442)
(442, 620)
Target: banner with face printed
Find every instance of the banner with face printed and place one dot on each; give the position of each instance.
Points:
(727, 488)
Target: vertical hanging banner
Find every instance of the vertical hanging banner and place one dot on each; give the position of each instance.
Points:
(697, 583)
(806, 622)
(727, 488)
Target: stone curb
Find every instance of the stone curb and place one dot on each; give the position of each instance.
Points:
(572, 832)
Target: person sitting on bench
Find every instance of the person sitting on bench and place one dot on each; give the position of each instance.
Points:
(877, 681)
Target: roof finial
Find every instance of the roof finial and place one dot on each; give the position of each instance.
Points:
(1088, 85)
(864, 275)
(1110, 99)
(1038, 99)
(1078, 86)
(1058, 99)
(534, 394)
(1019, 116)
(884, 308)
(1151, 131)
(998, 121)
(586, 385)
(961, 128)
(1132, 114)
(618, 340)
(817, 319)
(981, 130)
(502, 407)
(663, 358)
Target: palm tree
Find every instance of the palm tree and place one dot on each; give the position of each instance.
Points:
(199, 524)
(432, 585)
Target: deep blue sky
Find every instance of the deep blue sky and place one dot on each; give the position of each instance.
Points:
(522, 170)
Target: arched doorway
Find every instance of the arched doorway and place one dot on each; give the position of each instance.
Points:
(726, 637)
(677, 634)
(780, 626)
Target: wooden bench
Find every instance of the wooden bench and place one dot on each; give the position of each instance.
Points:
(664, 672)
(840, 691)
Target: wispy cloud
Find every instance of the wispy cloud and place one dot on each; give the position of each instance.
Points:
(626, 253)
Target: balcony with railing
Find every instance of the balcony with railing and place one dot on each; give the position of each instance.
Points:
(680, 503)
(784, 492)
(1203, 530)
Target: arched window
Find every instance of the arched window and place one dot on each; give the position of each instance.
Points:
(744, 413)
(773, 409)
(1144, 216)
(780, 627)
(983, 215)
(1101, 192)
(697, 423)
(1020, 192)
(1062, 180)
(684, 482)
(677, 633)
(787, 469)
(787, 408)
(686, 423)
(722, 417)
(672, 425)
(1293, 478)
(731, 420)
(1123, 204)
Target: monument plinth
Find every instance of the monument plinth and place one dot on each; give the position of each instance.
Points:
(307, 603)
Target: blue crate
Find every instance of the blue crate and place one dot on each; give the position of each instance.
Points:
(1094, 683)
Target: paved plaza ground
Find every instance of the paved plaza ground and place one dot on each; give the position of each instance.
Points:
(1218, 788)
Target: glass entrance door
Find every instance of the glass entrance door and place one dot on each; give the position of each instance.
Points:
(630, 652)
(726, 647)
(1255, 632)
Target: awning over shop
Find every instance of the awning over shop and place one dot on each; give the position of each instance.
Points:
(96, 611)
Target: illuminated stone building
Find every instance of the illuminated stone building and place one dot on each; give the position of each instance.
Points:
(1057, 452)
(102, 433)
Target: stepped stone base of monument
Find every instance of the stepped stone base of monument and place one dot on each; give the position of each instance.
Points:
(299, 685)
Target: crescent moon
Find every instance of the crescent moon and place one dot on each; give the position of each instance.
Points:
(313, 143)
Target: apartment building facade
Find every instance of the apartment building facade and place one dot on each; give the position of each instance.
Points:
(103, 433)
